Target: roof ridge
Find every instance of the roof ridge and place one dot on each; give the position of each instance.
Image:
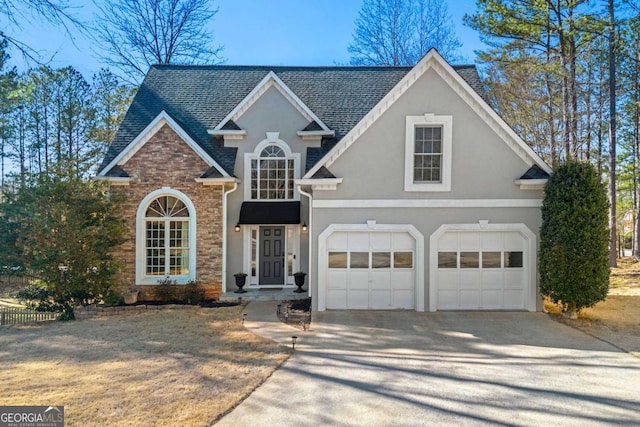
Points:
(290, 67)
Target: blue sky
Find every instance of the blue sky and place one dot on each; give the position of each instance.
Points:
(253, 32)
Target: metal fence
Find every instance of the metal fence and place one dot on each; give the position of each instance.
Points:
(14, 316)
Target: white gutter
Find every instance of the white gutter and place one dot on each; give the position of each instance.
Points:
(224, 235)
(310, 233)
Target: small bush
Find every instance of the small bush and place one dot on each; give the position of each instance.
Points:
(113, 298)
(193, 293)
(167, 290)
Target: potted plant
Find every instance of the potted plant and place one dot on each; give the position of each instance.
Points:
(299, 280)
(130, 296)
(241, 279)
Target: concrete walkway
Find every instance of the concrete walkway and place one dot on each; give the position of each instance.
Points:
(372, 368)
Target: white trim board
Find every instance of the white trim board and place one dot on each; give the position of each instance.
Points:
(428, 203)
(433, 60)
(152, 128)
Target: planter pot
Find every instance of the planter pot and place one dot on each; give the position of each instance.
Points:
(240, 282)
(131, 297)
(299, 280)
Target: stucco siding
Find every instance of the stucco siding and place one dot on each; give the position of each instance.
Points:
(272, 112)
(483, 165)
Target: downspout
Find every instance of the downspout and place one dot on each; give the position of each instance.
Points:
(225, 194)
(310, 234)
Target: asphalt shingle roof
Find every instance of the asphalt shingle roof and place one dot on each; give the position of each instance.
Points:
(200, 97)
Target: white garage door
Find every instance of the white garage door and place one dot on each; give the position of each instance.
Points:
(370, 270)
(482, 270)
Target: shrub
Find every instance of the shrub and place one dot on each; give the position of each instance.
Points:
(167, 290)
(113, 298)
(193, 293)
(64, 229)
(574, 238)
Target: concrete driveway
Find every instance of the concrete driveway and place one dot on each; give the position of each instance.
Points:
(373, 368)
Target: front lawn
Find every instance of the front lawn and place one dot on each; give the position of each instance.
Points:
(165, 367)
(616, 319)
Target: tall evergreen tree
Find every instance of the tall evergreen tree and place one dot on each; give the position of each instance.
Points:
(574, 238)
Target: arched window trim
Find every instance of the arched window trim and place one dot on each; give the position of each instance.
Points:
(272, 139)
(141, 277)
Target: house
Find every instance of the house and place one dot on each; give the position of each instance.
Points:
(391, 187)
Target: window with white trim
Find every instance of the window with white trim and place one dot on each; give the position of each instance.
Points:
(272, 175)
(166, 249)
(165, 238)
(428, 146)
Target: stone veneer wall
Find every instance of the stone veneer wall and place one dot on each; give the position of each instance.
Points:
(167, 161)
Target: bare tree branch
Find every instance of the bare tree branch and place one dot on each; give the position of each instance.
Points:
(21, 12)
(135, 34)
(400, 32)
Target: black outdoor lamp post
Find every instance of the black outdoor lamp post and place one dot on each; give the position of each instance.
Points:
(293, 341)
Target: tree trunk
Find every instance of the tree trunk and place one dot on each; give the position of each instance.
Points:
(612, 137)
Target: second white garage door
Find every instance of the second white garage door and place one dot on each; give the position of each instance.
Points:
(482, 270)
(370, 270)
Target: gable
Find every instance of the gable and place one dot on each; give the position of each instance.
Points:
(271, 81)
(161, 120)
(434, 62)
(374, 167)
(272, 112)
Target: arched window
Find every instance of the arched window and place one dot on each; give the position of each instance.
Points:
(165, 238)
(272, 175)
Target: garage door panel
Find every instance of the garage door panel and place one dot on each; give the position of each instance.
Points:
(448, 300)
(358, 242)
(403, 299)
(402, 242)
(337, 279)
(358, 279)
(491, 279)
(337, 299)
(448, 242)
(402, 280)
(513, 241)
(447, 279)
(337, 241)
(513, 298)
(381, 280)
(491, 241)
(358, 299)
(379, 274)
(492, 299)
(469, 279)
(380, 300)
(469, 299)
(500, 280)
(380, 241)
(514, 279)
(468, 241)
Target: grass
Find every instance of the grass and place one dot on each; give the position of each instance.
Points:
(165, 367)
(617, 318)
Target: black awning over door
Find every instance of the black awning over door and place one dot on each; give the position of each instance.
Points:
(269, 213)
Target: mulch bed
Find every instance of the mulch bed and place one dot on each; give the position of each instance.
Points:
(295, 313)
